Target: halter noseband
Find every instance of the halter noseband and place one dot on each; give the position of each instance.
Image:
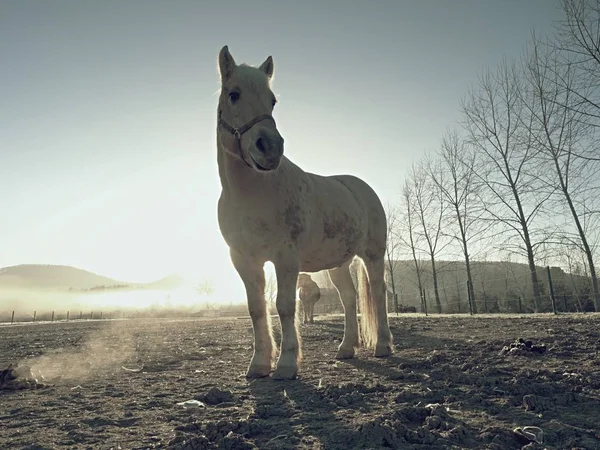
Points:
(238, 132)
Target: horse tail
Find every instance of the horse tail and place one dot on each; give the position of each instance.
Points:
(366, 303)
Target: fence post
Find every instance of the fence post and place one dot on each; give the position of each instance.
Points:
(67, 316)
(424, 302)
(52, 318)
(34, 314)
(80, 315)
(12, 319)
(100, 315)
(91, 315)
(551, 290)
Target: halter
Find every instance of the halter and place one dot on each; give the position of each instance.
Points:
(238, 132)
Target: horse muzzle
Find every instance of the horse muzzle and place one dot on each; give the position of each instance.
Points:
(266, 150)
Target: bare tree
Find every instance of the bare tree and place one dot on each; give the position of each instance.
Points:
(558, 132)
(578, 39)
(410, 237)
(392, 248)
(206, 288)
(428, 209)
(496, 128)
(454, 176)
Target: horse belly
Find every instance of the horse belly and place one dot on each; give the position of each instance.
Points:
(336, 237)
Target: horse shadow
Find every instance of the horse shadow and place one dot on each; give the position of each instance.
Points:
(289, 414)
(301, 412)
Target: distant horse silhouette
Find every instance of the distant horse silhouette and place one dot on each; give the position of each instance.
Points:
(309, 294)
(272, 210)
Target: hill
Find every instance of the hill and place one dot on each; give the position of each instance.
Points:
(62, 278)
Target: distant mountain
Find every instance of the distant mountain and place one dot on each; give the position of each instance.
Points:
(57, 277)
(168, 282)
(38, 276)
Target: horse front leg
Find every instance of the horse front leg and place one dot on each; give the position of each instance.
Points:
(290, 352)
(253, 277)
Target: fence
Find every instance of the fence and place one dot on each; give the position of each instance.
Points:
(14, 317)
(53, 316)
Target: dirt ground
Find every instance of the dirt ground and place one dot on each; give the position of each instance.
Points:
(448, 385)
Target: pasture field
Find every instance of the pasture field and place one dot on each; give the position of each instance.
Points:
(117, 384)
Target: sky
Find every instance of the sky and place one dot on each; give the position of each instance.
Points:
(108, 112)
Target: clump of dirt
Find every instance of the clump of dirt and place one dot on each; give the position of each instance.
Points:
(346, 395)
(227, 434)
(410, 426)
(189, 442)
(216, 396)
(521, 346)
(529, 434)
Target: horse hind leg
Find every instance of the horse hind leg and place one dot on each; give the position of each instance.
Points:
(304, 311)
(376, 313)
(341, 279)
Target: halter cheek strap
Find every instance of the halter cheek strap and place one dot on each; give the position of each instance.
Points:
(238, 132)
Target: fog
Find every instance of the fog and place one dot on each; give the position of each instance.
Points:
(24, 302)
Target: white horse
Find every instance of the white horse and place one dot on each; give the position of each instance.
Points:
(309, 294)
(271, 210)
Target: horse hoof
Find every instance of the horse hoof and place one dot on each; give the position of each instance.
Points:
(381, 351)
(344, 353)
(258, 372)
(285, 373)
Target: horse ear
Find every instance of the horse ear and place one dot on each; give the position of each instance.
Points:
(267, 67)
(226, 63)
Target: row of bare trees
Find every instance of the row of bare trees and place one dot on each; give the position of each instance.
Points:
(520, 175)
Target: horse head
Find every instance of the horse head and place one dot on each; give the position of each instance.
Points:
(246, 127)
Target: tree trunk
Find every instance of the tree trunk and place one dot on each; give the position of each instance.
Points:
(465, 249)
(584, 242)
(458, 296)
(534, 278)
(392, 282)
(438, 304)
(528, 247)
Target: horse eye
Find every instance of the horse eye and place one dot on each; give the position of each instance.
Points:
(234, 96)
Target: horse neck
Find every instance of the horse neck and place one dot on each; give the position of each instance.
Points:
(237, 178)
